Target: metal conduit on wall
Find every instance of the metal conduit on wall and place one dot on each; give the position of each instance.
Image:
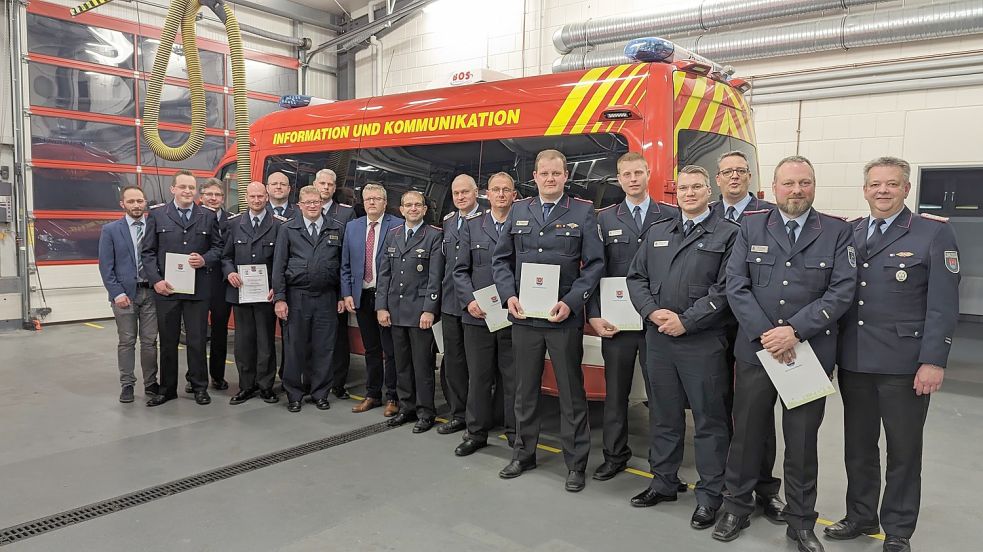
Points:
(851, 31)
(904, 83)
(704, 15)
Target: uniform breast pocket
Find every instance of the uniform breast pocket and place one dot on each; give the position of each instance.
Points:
(710, 255)
(817, 271)
(760, 267)
(480, 254)
(165, 229)
(521, 238)
(268, 249)
(906, 275)
(569, 241)
(696, 292)
(618, 249)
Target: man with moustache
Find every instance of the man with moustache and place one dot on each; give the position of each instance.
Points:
(251, 240)
(893, 352)
(622, 227)
(324, 181)
(181, 226)
(677, 283)
(790, 278)
(489, 354)
(734, 180)
(130, 294)
(278, 188)
(464, 192)
(213, 197)
(408, 302)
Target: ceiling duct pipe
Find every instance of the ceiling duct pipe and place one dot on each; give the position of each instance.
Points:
(699, 15)
(851, 31)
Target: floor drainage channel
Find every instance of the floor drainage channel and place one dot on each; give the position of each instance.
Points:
(68, 518)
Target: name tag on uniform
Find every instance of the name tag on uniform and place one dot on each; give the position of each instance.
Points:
(617, 232)
(759, 249)
(661, 243)
(391, 250)
(522, 223)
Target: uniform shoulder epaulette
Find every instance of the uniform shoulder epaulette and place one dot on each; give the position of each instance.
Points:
(758, 212)
(521, 200)
(230, 217)
(157, 206)
(281, 218)
(394, 228)
(345, 205)
(712, 203)
(936, 218)
(608, 207)
(832, 216)
(437, 228)
(734, 222)
(667, 204)
(587, 201)
(449, 215)
(856, 220)
(473, 215)
(663, 220)
(212, 209)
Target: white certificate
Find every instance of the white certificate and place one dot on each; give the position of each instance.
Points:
(496, 317)
(801, 381)
(539, 289)
(438, 335)
(178, 273)
(255, 283)
(616, 305)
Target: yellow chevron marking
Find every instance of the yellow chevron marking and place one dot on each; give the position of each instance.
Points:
(596, 127)
(624, 85)
(573, 101)
(692, 104)
(727, 125)
(678, 78)
(631, 94)
(711, 114)
(591, 109)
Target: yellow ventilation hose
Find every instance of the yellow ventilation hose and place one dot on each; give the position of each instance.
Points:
(182, 14)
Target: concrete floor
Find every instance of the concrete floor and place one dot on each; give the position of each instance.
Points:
(65, 442)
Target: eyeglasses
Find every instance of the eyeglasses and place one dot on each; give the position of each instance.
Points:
(740, 172)
(694, 188)
(311, 203)
(500, 191)
(212, 194)
(372, 199)
(413, 205)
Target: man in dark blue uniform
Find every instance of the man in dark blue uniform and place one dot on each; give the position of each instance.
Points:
(213, 197)
(489, 354)
(278, 188)
(734, 181)
(454, 372)
(181, 226)
(677, 283)
(408, 301)
(789, 279)
(250, 240)
(555, 229)
(893, 351)
(622, 227)
(306, 280)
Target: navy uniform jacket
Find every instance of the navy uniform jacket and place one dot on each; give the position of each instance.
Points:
(719, 208)
(408, 283)
(907, 302)
(303, 262)
(686, 275)
(244, 246)
(809, 286)
(450, 301)
(569, 238)
(622, 239)
(340, 212)
(167, 232)
(215, 270)
(473, 270)
(288, 213)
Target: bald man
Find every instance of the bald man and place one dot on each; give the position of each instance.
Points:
(278, 189)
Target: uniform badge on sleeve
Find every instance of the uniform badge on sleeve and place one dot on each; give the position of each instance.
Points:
(851, 254)
(952, 261)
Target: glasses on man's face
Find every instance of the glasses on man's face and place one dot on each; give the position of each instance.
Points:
(680, 190)
(413, 205)
(500, 191)
(372, 199)
(310, 203)
(739, 171)
(213, 194)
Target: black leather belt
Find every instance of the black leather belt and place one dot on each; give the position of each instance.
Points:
(144, 285)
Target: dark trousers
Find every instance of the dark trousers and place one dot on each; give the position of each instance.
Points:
(380, 360)
(566, 349)
(415, 365)
(194, 313)
(312, 323)
(768, 484)
(754, 400)
(489, 361)
(255, 346)
(219, 334)
(693, 369)
(619, 352)
(342, 354)
(869, 400)
(455, 366)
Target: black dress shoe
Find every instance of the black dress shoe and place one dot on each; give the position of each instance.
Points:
(152, 389)
(468, 446)
(682, 487)
(772, 507)
(703, 517)
(269, 396)
(157, 400)
(188, 388)
(896, 544)
(515, 469)
(607, 470)
(293, 406)
(805, 539)
(126, 394)
(576, 481)
(220, 385)
(202, 398)
(322, 404)
(846, 529)
(242, 396)
(341, 393)
(729, 527)
(401, 418)
(423, 425)
(648, 497)
(452, 426)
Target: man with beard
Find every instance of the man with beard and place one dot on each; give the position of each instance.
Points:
(278, 188)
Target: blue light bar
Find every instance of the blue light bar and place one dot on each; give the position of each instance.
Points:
(650, 50)
(294, 100)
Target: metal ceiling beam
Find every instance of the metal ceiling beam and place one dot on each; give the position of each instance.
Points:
(360, 29)
(294, 11)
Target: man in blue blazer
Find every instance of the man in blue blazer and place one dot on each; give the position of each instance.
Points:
(130, 295)
(358, 286)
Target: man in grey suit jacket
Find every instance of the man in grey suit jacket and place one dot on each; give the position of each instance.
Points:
(130, 296)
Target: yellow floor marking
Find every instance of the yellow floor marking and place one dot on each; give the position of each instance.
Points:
(94, 325)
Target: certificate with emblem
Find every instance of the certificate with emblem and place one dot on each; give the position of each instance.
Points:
(438, 335)
(496, 317)
(616, 305)
(539, 289)
(255, 283)
(801, 381)
(178, 273)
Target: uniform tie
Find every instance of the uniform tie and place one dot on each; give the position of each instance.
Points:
(409, 234)
(547, 207)
(791, 225)
(732, 213)
(688, 227)
(638, 217)
(460, 219)
(313, 229)
(875, 235)
(255, 223)
(498, 227)
(279, 211)
(185, 214)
